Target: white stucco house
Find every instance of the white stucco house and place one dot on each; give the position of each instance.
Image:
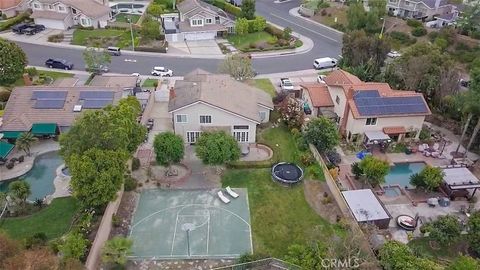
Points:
(64, 14)
(204, 102)
(367, 108)
(198, 21)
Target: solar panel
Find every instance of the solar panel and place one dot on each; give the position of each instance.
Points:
(96, 103)
(389, 105)
(96, 95)
(49, 95)
(49, 103)
(366, 94)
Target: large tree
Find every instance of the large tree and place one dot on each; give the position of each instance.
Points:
(169, 148)
(217, 147)
(150, 29)
(248, 9)
(238, 66)
(12, 62)
(20, 190)
(116, 250)
(429, 178)
(74, 246)
(473, 104)
(322, 133)
(25, 141)
(474, 231)
(292, 113)
(113, 128)
(97, 175)
(397, 256)
(464, 263)
(470, 20)
(445, 230)
(358, 18)
(155, 10)
(374, 170)
(96, 59)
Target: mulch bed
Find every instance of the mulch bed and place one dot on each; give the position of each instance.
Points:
(125, 213)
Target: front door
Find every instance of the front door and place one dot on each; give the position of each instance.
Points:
(192, 136)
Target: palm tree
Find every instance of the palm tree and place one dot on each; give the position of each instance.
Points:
(116, 250)
(20, 190)
(24, 142)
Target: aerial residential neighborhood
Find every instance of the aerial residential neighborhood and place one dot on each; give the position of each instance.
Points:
(240, 134)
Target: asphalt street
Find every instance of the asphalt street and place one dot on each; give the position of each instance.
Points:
(326, 43)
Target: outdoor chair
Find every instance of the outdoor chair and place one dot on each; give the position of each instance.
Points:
(421, 148)
(231, 192)
(222, 197)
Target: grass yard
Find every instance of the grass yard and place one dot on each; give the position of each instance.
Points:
(149, 83)
(332, 12)
(422, 247)
(82, 37)
(280, 216)
(54, 220)
(46, 73)
(282, 143)
(122, 17)
(244, 41)
(264, 84)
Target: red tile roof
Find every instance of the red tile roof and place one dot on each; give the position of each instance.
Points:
(341, 77)
(6, 4)
(319, 95)
(394, 130)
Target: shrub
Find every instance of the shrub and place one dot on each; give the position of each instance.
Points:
(38, 239)
(21, 158)
(403, 38)
(130, 183)
(10, 165)
(274, 31)
(287, 33)
(116, 221)
(135, 164)
(414, 23)
(13, 21)
(357, 170)
(31, 71)
(282, 42)
(307, 159)
(4, 95)
(55, 38)
(340, 27)
(323, 12)
(316, 172)
(424, 135)
(419, 31)
(429, 178)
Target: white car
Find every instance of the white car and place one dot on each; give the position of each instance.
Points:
(321, 78)
(394, 54)
(286, 84)
(162, 72)
(135, 74)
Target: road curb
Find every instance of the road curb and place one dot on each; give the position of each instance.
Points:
(294, 12)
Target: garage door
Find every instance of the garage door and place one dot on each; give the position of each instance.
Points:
(52, 24)
(200, 35)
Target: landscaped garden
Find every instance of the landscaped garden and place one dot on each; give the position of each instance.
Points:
(122, 17)
(103, 37)
(54, 220)
(243, 42)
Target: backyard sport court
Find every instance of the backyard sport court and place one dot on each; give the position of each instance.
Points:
(180, 224)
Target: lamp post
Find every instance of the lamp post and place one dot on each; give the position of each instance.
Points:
(383, 27)
(131, 32)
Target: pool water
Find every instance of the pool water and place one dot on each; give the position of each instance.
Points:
(400, 173)
(40, 177)
(392, 191)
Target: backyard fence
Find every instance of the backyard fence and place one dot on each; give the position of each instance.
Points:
(271, 263)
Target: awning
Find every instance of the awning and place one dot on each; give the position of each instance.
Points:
(5, 149)
(44, 129)
(11, 134)
(394, 130)
(460, 178)
(377, 136)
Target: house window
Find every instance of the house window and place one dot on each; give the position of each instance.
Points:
(85, 21)
(74, 11)
(197, 22)
(192, 136)
(181, 118)
(205, 119)
(61, 8)
(263, 115)
(51, 7)
(35, 5)
(240, 127)
(407, 3)
(241, 136)
(337, 100)
(230, 29)
(371, 121)
(209, 21)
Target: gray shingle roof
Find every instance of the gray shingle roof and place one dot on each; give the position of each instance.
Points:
(90, 8)
(221, 91)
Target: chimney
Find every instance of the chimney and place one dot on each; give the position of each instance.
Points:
(172, 93)
(27, 80)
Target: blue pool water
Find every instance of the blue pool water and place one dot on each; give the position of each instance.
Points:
(400, 173)
(40, 177)
(392, 191)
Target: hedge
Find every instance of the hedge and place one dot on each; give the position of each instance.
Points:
(13, 21)
(274, 31)
(414, 23)
(227, 7)
(403, 38)
(419, 31)
(152, 49)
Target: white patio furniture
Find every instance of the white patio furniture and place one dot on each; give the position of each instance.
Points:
(426, 153)
(231, 192)
(222, 197)
(435, 154)
(436, 146)
(421, 148)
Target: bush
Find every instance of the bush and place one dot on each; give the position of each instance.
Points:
(130, 183)
(13, 21)
(357, 170)
(10, 165)
(21, 158)
(4, 95)
(38, 239)
(116, 221)
(135, 164)
(419, 31)
(307, 159)
(323, 12)
(334, 157)
(55, 38)
(414, 23)
(403, 38)
(31, 71)
(274, 31)
(340, 27)
(424, 135)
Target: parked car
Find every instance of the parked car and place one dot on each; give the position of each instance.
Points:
(162, 72)
(19, 27)
(59, 63)
(286, 84)
(325, 62)
(115, 51)
(394, 54)
(32, 29)
(98, 69)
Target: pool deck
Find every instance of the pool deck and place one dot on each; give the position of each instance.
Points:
(40, 147)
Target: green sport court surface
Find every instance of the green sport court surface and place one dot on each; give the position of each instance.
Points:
(191, 224)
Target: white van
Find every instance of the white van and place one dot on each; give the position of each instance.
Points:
(325, 62)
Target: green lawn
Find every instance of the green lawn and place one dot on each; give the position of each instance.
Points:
(122, 17)
(52, 74)
(244, 41)
(282, 143)
(149, 82)
(266, 85)
(54, 220)
(81, 36)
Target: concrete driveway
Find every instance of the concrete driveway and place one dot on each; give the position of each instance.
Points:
(198, 47)
(39, 37)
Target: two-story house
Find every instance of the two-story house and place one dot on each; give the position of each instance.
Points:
(205, 102)
(11, 7)
(426, 10)
(200, 21)
(363, 108)
(64, 14)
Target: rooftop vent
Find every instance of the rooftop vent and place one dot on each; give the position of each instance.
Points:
(77, 108)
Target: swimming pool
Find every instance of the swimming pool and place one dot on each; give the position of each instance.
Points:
(400, 173)
(41, 176)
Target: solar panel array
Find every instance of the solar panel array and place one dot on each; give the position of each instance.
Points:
(370, 103)
(49, 99)
(96, 99)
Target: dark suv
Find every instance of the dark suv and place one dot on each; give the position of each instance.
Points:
(59, 63)
(18, 28)
(33, 29)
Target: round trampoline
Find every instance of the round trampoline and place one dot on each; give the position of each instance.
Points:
(287, 173)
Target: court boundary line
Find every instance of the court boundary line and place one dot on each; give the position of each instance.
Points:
(250, 229)
(208, 230)
(174, 234)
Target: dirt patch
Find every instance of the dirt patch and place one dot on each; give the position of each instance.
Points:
(327, 15)
(321, 200)
(124, 214)
(157, 176)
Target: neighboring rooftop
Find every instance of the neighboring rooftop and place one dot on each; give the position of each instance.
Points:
(193, 7)
(114, 81)
(460, 178)
(6, 4)
(319, 95)
(341, 77)
(219, 90)
(364, 205)
(39, 104)
(90, 8)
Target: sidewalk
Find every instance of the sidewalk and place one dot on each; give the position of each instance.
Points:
(294, 12)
